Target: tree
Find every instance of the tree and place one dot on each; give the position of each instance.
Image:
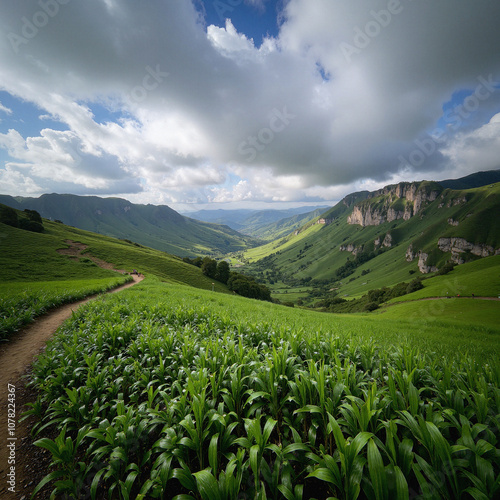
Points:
(209, 267)
(33, 215)
(248, 287)
(414, 285)
(223, 272)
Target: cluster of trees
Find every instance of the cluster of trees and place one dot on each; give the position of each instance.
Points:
(246, 286)
(29, 221)
(243, 285)
(219, 271)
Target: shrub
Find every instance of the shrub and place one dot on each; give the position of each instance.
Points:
(371, 306)
(8, 216)
(209, 267)
(414, 285)
(33, 215)
(31, 225)
(448, 267)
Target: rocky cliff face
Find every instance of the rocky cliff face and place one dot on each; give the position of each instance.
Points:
(458, 246)
(364, 216)
(375, 212)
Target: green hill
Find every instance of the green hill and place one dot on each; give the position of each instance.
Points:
(371, 240)
(477, 179)
(158, 227)
(36, 277)
(285, 226)
(28, 256)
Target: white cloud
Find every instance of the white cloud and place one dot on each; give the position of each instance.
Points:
(4, 109)
(188, 97)
(13, 182)
(480, 148)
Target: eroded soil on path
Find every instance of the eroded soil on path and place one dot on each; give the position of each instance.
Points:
(16, 356)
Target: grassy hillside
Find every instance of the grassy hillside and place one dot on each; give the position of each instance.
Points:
(28, 256)
(158, 227)
(35, 277)
(313, 257)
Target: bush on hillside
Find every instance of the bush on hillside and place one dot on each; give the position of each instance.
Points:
(30, 225)
(448, 267)
(222, 272)
(414, 285)
(33, 215)
(8, 216)
(209, 267)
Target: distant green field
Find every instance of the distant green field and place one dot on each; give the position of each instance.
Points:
(478, 315)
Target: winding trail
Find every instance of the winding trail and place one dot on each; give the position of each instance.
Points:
(16, 357)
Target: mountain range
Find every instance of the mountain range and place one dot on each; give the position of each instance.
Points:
(419, 225)
(263, 224)
(158, 227)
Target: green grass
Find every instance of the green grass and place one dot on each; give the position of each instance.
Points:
(416, 330)
(257, 253)
(27, 256)
(31, 257)
(451, 316)
(36, 278)
(21, 302)
(169, 390)
(481, 278)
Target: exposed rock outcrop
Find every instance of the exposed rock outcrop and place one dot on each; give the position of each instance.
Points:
(422, 263)
(364, 216)
(457, 246)
(351, 248)
(410, 254)
(383, 205)
(387, 241)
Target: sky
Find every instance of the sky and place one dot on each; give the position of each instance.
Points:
(245, 103)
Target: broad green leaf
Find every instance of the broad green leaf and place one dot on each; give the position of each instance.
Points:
(207, 485)
(213, 453)
(377, 471)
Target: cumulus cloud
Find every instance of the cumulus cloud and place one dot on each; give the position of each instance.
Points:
(337, 99)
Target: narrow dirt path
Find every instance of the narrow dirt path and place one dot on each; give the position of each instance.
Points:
(16, 356)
